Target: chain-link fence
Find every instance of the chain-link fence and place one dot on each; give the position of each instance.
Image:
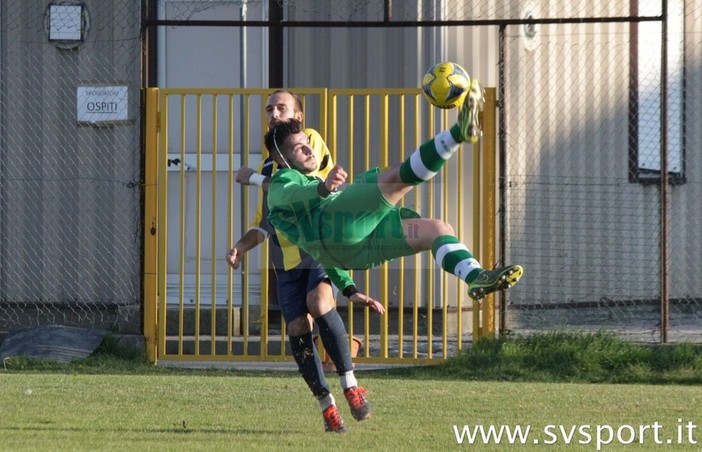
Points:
(606, 243)
(583, 111)
(70, 166)
(389, 13)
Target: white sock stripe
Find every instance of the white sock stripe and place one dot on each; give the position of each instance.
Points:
(445, 249)
(465, 267)
(348, 380)
(445, 144)
(326, 402)
(418, 167)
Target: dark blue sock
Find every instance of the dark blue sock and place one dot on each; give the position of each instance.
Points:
(309, 364)
(335, 340)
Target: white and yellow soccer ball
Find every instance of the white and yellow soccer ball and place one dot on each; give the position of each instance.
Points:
(446, 84)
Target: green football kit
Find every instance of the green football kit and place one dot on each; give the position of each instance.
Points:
(358, 228)
(354, 229)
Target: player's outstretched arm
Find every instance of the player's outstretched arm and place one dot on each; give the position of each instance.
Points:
(374, 305)
(247, 176)
(243, 174)
(248, 241)
(342, 279)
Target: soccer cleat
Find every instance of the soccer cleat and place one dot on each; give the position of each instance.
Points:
(491, 280)
(360, 408)
(332, 420)
(468, 120)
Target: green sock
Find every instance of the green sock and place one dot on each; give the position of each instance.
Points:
(453, 257)
(426, 161)
(456, 133)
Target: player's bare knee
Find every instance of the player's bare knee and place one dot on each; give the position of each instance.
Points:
(434, 228)
(320, 299)
(390, 175)
(319, 305)
(299, 326)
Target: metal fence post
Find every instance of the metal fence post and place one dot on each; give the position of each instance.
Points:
(151, 222)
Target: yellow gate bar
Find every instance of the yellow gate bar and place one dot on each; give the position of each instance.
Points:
(489, 203)
(429, 200)
(162, 221)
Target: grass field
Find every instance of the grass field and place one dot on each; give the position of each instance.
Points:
(109, 405)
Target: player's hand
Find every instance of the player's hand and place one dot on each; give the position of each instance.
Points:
(243, 174)
(336, 178)
(361, 298)
(234, 257)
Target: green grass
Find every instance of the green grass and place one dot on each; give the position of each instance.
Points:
(577, 357)
(113, 402)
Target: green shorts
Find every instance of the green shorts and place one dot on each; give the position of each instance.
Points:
(360, 229)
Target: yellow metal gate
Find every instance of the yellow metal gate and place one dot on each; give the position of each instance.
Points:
(197, 309)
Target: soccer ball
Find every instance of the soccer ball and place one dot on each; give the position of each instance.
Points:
(445, 85)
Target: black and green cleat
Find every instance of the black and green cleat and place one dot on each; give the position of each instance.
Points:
(492, 280)
(468, 120)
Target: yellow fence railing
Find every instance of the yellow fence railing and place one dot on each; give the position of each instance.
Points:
(196, 308)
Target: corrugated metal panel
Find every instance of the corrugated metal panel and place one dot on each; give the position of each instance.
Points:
(686, 216)
(354, 58)
(69, 193)
(583, 231)
(388, 57)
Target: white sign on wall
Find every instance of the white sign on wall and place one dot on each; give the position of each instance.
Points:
(102, 104)
(65, 22)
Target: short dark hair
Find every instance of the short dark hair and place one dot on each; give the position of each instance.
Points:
(277, 134)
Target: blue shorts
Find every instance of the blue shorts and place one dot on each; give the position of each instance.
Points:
(293, 286)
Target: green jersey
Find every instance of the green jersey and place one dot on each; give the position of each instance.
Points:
(351, 230)
(294, 208)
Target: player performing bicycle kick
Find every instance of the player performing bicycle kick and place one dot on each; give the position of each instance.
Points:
(362, 226)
